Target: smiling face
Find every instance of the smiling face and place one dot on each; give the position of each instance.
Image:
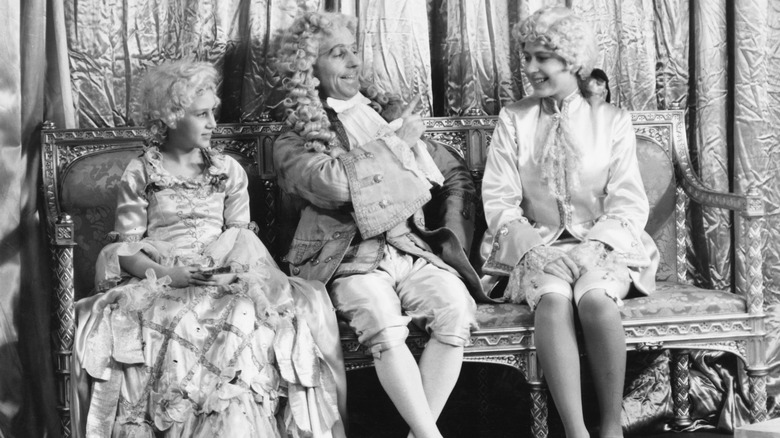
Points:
(194, 129)
(338, 65)
(549, 74)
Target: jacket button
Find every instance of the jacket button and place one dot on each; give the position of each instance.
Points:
(295, 270)
(336, 235)
(383, 203)
(504, 230)
(315, 262)
(328, 259)
(378, 178)
(370, 155)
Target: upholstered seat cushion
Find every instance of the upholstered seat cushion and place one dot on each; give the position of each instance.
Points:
(675, 299)
(669, 300)
(506, 315)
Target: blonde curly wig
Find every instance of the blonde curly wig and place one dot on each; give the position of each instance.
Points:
(565, 33)
(300, 47)
(168, 89)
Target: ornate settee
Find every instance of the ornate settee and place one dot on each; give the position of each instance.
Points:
(82, 167)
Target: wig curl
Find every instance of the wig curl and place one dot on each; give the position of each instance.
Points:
(168, 89)
(298, 52)
(565, 33)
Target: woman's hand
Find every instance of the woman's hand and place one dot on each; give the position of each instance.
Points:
(413, 126)
(564, 268)
(202, 279)
(181, 276)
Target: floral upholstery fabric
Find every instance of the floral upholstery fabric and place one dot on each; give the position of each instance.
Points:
(674, 299)
(656, 168)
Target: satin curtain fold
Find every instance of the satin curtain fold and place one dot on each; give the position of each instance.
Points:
(113, 42)
(27, 399)
(394, 43)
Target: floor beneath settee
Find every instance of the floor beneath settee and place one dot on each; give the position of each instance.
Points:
(502, 411)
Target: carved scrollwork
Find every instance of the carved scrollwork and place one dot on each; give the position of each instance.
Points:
(520, 340)
(455, 139)
(514, 360)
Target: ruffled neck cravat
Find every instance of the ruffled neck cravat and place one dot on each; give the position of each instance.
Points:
(560, 156)
(363, 125)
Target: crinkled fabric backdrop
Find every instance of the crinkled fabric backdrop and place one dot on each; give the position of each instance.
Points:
(76, 62)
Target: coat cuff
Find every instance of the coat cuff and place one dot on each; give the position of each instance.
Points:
(510, 243)
(383, 193)
(623, 238)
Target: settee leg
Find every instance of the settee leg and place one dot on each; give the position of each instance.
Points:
(482, 388)
(757, 381)
(681, 386)
(539, 409)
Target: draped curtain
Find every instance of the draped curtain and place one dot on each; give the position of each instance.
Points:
(77, 62)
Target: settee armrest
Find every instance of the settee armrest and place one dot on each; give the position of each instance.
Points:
(62, 239)
(748, 226)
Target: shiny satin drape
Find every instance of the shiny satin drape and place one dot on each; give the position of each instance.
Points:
(112, 42)
(458, 55)
(27, 398)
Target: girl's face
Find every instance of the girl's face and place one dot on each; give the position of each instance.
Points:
(338, 65)
(194, 129)
(549, 74)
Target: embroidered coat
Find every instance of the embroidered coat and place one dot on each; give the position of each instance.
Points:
(531, 195)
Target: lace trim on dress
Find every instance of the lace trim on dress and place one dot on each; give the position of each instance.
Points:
(114, 236)
(159, 177)
(587, 255)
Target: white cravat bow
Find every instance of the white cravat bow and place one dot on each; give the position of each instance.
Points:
(341, 106)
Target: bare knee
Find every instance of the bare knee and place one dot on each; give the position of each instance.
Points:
(596, 307)
(553, 307)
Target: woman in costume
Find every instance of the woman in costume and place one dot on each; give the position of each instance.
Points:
(566, 211)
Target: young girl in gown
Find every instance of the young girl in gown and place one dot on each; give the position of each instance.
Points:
(204, 336)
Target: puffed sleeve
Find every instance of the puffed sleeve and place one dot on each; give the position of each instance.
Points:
(131, 206)
(502, 193)
(626, 206)
(129, 227)
(236, 195)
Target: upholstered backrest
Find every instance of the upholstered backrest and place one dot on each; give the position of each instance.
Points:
(82, 168)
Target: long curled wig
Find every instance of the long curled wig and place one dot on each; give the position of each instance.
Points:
(300, 47)
(167, 90)
(565, 33)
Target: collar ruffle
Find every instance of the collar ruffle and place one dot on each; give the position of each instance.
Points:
(159, 177)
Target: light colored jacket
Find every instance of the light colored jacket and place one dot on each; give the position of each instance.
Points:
(346, 206)
(606, 202)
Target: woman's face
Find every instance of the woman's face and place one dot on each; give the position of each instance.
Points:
(338, 65)
(549, 74)
(194, 129)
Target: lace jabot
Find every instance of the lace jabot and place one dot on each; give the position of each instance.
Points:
(561, 156)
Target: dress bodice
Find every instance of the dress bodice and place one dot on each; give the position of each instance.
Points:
(188, 213)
